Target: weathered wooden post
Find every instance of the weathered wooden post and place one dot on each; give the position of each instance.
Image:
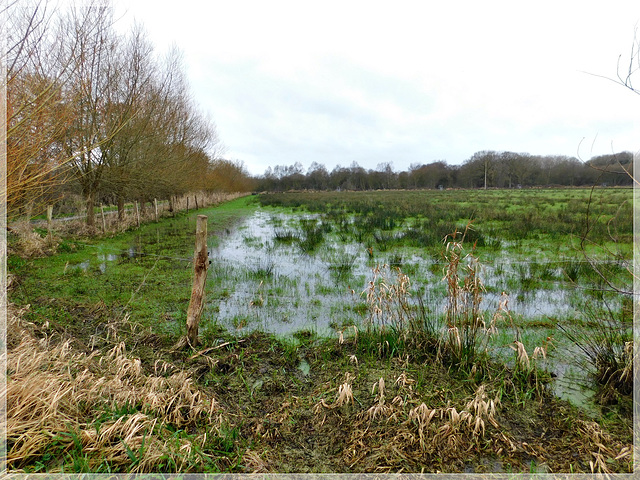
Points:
(104, 222)
(49, 218)
(29, 211)
(155, 205)
(187, 204)
(200, 265)
(137, 213)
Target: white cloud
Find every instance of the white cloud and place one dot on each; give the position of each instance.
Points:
(411, 81)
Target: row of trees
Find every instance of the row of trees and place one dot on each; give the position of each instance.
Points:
(95, 111)
(485, 169)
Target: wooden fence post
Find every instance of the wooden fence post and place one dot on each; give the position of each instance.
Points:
(137, 213)
(49, 218)
(200, 265)
(187, 204)
(155, 204)
(29, 211)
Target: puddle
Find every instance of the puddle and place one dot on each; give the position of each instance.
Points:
(102, 260)
(304, 367)
(82, 265)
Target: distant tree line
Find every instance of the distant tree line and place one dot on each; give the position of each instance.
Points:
(98, 113)
(485, 169)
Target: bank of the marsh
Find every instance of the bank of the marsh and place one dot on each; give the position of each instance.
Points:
(405, 399)
(249, 404)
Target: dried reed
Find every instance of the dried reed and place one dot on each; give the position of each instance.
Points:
(31, 244)
(467, 333)
(59, 399)
(387, 298)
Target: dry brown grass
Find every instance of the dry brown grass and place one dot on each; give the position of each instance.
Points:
(30, 244)
(395, 428)
(254, 463)
(59, 399)
(406, 432)
(387, 298)
(343, 397)
(600, 447)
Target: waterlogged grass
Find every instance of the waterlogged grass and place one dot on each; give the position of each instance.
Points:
(532, 219)
(371, 371)
(146, 273)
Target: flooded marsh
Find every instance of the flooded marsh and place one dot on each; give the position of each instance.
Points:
(313, 299)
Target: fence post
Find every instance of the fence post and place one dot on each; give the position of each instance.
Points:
(200, 265)
(187, 204)
(49, 217)
(104, 222)
(155, 204)
(137, 214)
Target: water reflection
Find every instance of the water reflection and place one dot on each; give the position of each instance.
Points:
(301, 290)
(269, 283)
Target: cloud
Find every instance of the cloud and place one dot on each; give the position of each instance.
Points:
(337, 82)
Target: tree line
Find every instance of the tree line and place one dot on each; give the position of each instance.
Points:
(98, 113)
(485, 169)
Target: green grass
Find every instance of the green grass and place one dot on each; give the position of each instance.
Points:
(544, 218)
(146, 272)
(268, 401)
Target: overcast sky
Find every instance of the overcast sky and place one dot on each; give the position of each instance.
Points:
(405, 81)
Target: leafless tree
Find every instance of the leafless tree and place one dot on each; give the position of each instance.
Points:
(37, 112)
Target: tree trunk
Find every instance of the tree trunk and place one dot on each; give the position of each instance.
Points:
(137, 214)
(91, 219)
(200, 265)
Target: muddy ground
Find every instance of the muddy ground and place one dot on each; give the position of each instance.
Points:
(325, 406)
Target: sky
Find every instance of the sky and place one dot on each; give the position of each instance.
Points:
(406, 82)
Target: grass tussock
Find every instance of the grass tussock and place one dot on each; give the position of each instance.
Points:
(607, 347)
(98, 412)
(30, 243)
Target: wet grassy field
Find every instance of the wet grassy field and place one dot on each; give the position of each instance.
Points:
(347, 332)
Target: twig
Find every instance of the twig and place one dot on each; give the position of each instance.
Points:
(206, 350)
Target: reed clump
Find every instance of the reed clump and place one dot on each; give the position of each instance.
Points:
(608, 354)
(467, 332)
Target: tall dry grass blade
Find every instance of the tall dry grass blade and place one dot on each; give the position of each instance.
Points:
(54, 393)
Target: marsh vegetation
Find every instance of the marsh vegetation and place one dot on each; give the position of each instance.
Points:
(451, 331)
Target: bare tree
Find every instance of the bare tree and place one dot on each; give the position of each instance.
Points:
(37, 112)
(103, 91)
